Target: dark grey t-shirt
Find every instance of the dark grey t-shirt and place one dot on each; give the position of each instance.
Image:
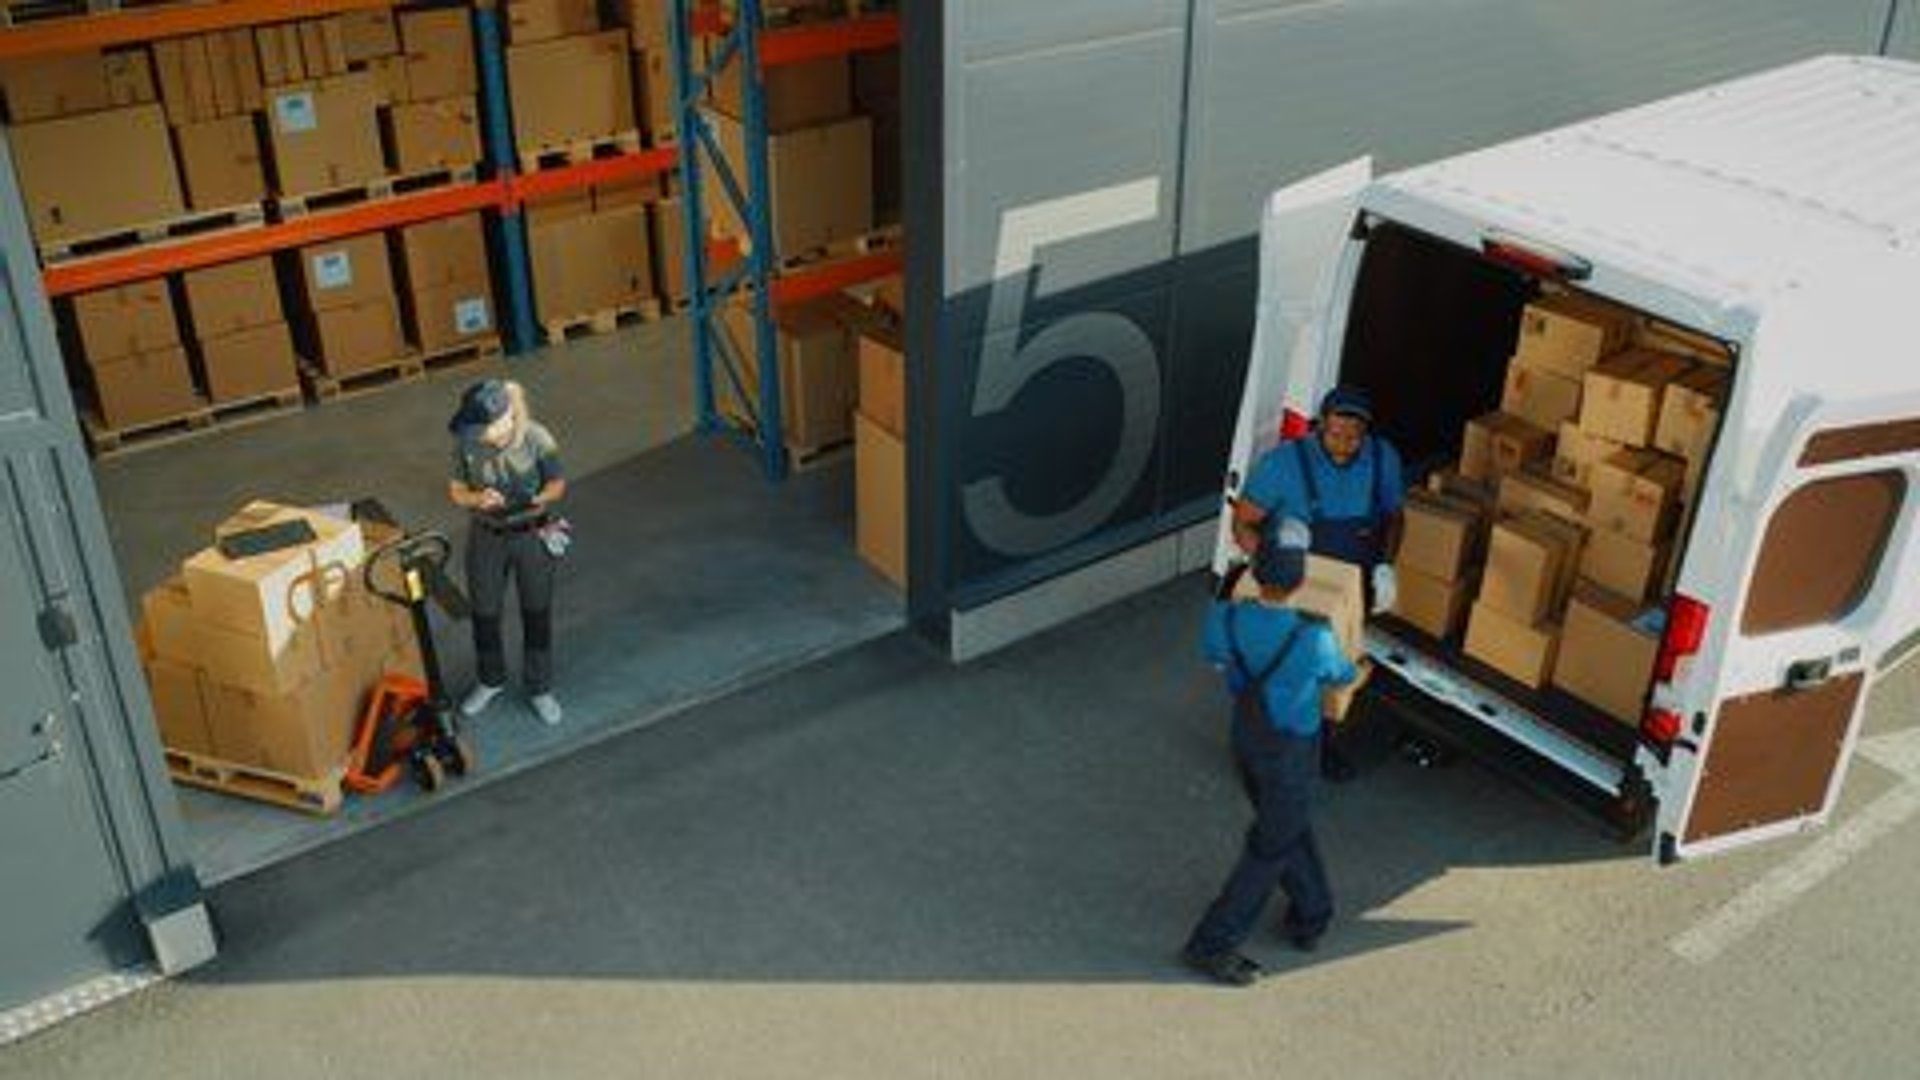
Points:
(517, 472)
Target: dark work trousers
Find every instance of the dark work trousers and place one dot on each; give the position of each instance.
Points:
(1277, 772)
(494, 556)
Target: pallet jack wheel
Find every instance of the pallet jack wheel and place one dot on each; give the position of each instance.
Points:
(428, 772)
(460, 756)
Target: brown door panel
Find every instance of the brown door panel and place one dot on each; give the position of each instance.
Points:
(1772, 757)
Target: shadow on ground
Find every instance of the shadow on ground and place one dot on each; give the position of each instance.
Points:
(1060, 813)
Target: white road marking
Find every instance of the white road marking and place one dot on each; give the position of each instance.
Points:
(1786, 883)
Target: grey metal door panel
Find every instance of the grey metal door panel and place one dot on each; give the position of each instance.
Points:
(996, 29)
(1903, 30)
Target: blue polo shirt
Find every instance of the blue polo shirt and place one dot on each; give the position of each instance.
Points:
(1314, 664)
(1346, 491)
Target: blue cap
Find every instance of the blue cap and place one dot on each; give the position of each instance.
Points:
(1348, 401)
(1281, 561)
(480, 405)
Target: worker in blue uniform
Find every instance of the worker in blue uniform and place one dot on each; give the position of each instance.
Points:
(1278, 662)
(1346, 483)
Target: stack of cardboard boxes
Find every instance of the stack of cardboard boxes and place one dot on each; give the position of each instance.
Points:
(352, 314)
(648, 38)
(591, 252)
(241, 332)
(129, 341)
(570, 80)
(1580, 484)
(428, 87)
(449, 290)
(263, 663)
(880, 440)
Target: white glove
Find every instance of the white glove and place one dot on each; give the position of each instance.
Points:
(1386, 588)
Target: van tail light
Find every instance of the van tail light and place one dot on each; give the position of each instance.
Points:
(1294, 424)
(1661, 726)
(1535, 258)
(1686, 633)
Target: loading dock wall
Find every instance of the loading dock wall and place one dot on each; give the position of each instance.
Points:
(1084, 262)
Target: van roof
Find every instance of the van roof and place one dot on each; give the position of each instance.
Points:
(1742, 189)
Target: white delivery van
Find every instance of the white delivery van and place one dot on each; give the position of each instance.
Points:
(1778, 215)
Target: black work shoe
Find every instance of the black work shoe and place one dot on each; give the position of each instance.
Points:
(1229, 968)
(1307, 942)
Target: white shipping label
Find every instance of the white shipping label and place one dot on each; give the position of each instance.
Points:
(472, 316)
(295, 113)
(333, 270)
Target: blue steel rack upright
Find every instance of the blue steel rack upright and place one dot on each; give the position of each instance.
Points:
(753, 273)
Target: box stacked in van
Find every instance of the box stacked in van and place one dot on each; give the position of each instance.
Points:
(1579, 485)
(260, 664)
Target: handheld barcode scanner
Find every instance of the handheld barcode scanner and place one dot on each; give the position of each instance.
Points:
(408, 726)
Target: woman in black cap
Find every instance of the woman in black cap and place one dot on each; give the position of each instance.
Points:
(507, 476)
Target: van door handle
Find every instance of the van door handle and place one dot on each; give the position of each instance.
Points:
(1803, 675)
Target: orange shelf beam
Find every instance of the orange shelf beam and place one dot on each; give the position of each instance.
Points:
(593, 173)
(103, 271)
(800, 286)
(810, 41)
(134, 25)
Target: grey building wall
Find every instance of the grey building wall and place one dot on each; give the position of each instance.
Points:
(1102, 167)
(1903, 31)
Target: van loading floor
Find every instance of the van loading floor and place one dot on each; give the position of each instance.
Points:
(691, 575)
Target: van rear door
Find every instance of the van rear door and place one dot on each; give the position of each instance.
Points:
(1824, 596)
(1301, 240)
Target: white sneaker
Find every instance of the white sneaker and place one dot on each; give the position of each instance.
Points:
(479, 698)
(547, 708)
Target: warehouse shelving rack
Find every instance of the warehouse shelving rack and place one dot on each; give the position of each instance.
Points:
(751, 273)
(501, 190)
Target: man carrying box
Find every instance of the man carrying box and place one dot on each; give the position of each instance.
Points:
(1346, 484)
(1278, 662)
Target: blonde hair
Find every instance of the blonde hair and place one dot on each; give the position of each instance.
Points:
(518, 410)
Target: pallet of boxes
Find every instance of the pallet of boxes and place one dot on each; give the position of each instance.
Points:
(259, 666)
(1553, 543)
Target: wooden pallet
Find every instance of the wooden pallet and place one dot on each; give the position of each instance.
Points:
(327, 387)
(214, 417)
(319, 795)
(22, 12)
(879, 240)
(383, 188)
(107, 440)
(464, 353)
(605, 321)
(575, 152)
(189, 226)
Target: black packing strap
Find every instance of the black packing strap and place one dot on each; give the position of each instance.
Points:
(1258, 682)
(268, 538)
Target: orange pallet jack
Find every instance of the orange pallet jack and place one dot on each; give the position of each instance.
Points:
(410, 726)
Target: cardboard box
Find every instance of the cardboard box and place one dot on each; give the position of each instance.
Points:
(1336, 591)
(129, 75)
(250, 363)
(1531, 561)
(819, 374)
(448, 315)
(439, 50)
(272, 596)
(306, 731)
(1519, 650)
(822, 181)
(642, 192)
(880, 482)
(570, 90)
(1690, 413)
(646, 22)
(543, 20)
(167, 621)
(428, 135)
(1454, 485)
(1606, 656)
(203, 101)
(325, 134)
(224, 76)
(670, 245)
(389, 75)
(1567, 334)
(1434, 606)
(343, 273)
(653, 85)
(1440, 535)
(179, 708)
(1540, 396)
(797, 95)
(583, 263)
(90, 174)
(1534, 489)
(272, 58)
(1637, 492)
(246, 71)
(125, 319)
(883, 378)
(890, 296)
(1622, 565)
(145, 388)
(47, 87)
(358, 337)
(1622, 398)
(1576, 453)
(1665, 337)
(232, 297)
(222, 162)
(1497, 443)
(446, 251)
(369, 35)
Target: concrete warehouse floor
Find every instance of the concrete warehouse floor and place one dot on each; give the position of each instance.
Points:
(691, 575)
(883, 866)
